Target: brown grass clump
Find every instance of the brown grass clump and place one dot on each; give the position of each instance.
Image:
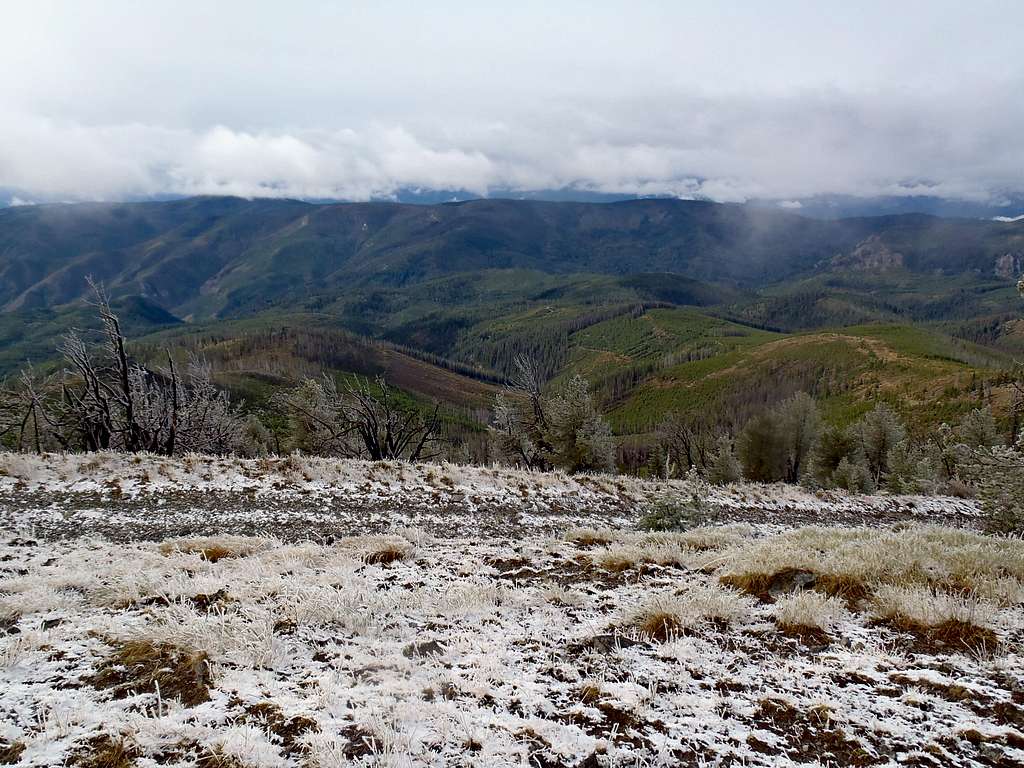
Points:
(216, 552)
(214, 548)
(216, 758)
(849, 588)
(616, 562)
(11, 753)
(589, 537)
(806, 634)
(938, 621)
(590, 693)
(949, 635)
(139, 666)
(953, 633)
(107, 752)
(767, 586)
(662, 626)
(388, 553)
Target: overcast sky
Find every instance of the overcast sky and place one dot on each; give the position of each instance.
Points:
(725, 100)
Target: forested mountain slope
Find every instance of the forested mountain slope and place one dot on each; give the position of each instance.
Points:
(662, 304)
(207, 257)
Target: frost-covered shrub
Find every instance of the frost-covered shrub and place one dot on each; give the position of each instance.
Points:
(998, 474)
(852, 475)
(725, 466)
(669, 513)
(875, 435)
(914, 469)
(563, 430)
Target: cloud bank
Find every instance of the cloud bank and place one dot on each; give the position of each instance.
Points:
(704, 101)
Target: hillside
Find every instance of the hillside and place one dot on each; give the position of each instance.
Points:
(664, 305)
(206, 257)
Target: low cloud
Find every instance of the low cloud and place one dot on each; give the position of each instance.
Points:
(725, 151)
(361, 101)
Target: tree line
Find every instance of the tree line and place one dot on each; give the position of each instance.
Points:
(103, 399)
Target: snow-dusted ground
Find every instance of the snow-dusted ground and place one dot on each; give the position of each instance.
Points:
(535, 644)
(133, 497)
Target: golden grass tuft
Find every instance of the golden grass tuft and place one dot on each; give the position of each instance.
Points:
(214, 548)
(763, 586)
(589, 537)
(387, 553)
(142, 666)
(949, 635)
(847, 587)
(662, 626)
(938, 621)
(216, 758)
(590, 693)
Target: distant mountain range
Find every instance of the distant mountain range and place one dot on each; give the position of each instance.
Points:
(816, 206)
(625, 292)
(216, 257)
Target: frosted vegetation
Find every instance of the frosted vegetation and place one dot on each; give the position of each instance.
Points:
(731, 644)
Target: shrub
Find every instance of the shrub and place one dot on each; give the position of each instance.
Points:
(761, 449)
(725, 467)
(673, 514)
(998, 473)
(853, 476)
(875, 435)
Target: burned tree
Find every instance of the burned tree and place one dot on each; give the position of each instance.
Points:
(359, 420)
(103, 400)
(542, 431)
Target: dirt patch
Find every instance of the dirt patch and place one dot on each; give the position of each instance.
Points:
(287, 730)
(951, 636)
(141, 666)
(807, 635)
(361, 742)
(812, 734)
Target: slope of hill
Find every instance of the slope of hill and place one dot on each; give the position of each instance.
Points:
(661, 304)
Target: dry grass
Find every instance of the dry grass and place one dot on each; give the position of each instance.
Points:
(767, 586)
(217, 758)
(589, 693)
(142, 666)
(590, 537)
(853, 563)
(107, 752)
(11, 753)
(809, 616)
(849, 588)
(388, 552)
(938, 619)
(665, 616)
(214, 548)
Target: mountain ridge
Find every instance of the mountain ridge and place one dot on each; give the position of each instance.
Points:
(203, 257)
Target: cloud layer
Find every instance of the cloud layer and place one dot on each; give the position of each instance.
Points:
(696, 102)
